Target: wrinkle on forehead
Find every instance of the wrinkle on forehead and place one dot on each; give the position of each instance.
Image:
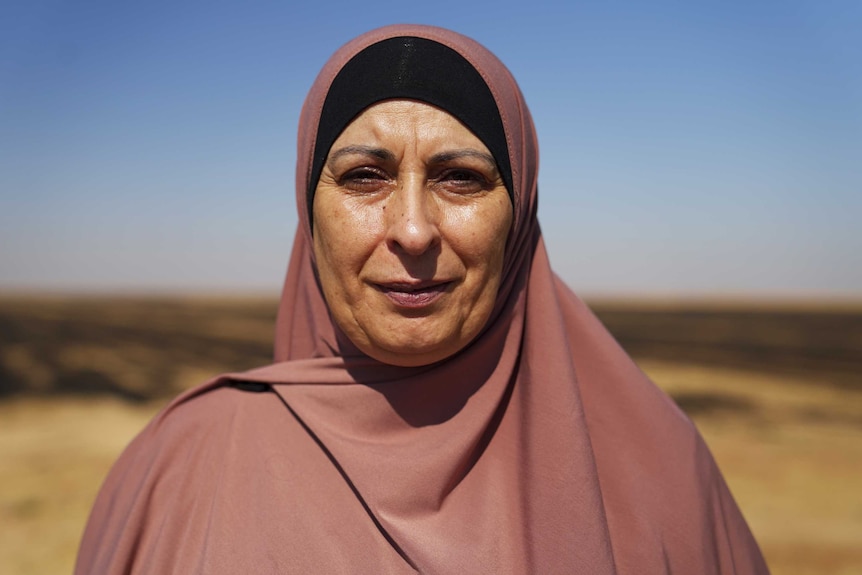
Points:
(411, 123)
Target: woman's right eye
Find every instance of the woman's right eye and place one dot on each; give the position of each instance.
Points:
(363, 179)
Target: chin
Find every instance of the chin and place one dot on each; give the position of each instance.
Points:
(412, 354)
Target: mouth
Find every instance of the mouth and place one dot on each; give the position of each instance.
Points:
(413, 294)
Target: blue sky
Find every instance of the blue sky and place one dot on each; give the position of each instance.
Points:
(687, 148)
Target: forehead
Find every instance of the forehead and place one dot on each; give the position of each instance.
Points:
(407, 121)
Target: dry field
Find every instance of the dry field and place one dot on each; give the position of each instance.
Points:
(776, 391)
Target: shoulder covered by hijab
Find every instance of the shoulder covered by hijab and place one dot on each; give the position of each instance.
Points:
(539, 447)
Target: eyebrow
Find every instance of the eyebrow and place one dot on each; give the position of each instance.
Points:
(380, 153)
(465, 153)
(384, 154)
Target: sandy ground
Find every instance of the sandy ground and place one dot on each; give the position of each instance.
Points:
(788, 442)
(55, 453)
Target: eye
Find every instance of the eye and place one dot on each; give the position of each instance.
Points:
(363, 180)
(464, 181)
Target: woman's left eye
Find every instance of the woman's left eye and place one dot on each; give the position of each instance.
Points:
(464, 181)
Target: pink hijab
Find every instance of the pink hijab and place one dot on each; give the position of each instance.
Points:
(539, 448)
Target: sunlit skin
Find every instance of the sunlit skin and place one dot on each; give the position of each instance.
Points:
(410, 223)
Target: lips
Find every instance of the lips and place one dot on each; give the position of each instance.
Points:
(413, 295)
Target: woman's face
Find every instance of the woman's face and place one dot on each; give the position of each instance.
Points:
(410, 224)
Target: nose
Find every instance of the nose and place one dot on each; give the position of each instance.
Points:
(412, 218)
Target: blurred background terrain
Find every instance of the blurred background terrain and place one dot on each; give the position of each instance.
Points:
(774, 388)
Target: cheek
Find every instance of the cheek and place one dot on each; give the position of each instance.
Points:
(345, 235)
(479, 232)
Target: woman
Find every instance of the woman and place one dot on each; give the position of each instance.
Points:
(441, 402)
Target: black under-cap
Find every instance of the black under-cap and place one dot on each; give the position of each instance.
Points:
(418, 69)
